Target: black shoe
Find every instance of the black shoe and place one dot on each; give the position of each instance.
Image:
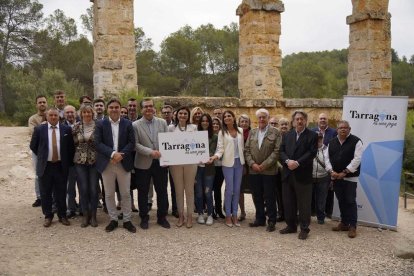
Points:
(220, 214)
(130, 227)
(121, 216)
(280, 219)
(105, 209)
(37, 203)
(164, 223)
(303, 234)
(149, 205)
(287, 230)
(144, 222)
(214, 215)
(175, 213)
(111, 226)
(64, 221)
(71, 214)
(257, 224)
(270, 227)
(134, 210)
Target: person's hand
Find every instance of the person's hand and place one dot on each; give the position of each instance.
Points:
(292, 165)
(341, 175)
(212, 158)
(155, 154)
(117, 157)
(256, 167)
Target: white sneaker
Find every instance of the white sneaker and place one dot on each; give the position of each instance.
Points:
(209, 220)
(200, 219)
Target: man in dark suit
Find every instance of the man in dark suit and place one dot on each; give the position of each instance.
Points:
(54, 147)
(328, 134)
(298, 148)
(114, 142)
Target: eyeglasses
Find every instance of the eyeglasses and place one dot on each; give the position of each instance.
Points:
(273, 124)
(166, 112)
(148, 106)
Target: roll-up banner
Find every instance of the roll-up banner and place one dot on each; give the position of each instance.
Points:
(379, 121)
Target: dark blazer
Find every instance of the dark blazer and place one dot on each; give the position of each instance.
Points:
(40, 146)
(329, 134)
(303, 150)
(104, 143)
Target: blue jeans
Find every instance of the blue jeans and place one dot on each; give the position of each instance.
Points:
(233, 178)
(321, 192)
(88, 186)
(204, 183)
(71, 189)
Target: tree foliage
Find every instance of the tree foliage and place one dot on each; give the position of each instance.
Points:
(18, 21)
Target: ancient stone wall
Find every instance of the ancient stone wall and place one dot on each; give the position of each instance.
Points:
(260, 58)
(369, 56)
(114, 67)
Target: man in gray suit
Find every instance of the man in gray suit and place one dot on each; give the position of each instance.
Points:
(147, 164)
(261, 151)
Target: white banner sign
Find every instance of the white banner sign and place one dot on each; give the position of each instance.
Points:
(180, 148)
(380, 123)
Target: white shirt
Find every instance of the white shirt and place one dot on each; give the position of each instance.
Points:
(115, 133)
(49, 133)
(353, 165)
(261, 134)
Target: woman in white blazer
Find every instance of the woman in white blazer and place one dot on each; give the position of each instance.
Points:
(230, 147)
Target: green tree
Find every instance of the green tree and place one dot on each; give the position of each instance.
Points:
(61, 27)
(181, 58)
(87, 20)
(18, 21)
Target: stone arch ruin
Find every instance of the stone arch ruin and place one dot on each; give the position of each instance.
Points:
(260, 58)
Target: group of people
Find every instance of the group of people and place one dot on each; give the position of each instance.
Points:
(288, 168)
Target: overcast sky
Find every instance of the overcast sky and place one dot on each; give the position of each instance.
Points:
(307, 25)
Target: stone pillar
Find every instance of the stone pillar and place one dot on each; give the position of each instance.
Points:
(114, 67)
(260, 58)
(369, 54)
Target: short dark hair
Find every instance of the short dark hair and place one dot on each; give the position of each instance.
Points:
(131, 99)
(84, 97)
(40, 96)
(98, 100)
(113, 100)
(59, 92)
(303, 113)
(141, 103)
(167, 106)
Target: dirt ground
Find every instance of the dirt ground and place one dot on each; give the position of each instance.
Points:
(27, 248)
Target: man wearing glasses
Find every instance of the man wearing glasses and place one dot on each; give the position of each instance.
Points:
(147, 164)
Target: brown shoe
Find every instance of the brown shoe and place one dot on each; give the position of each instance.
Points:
(340, 227)
(48, 222)
(352, 232)
(64, 221)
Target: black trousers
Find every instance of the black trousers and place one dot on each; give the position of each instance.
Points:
(172, 189)
(279, 195)
(329, 202)
(345, 192)
(159, 176)
(264, 193)
(218, 182)
(53, 184)
(297, 196)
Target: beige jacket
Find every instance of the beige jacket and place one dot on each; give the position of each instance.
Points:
(268, 154)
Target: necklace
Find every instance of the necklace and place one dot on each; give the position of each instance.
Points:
(182, 128)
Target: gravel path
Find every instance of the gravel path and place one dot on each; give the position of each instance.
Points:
(26, 248)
